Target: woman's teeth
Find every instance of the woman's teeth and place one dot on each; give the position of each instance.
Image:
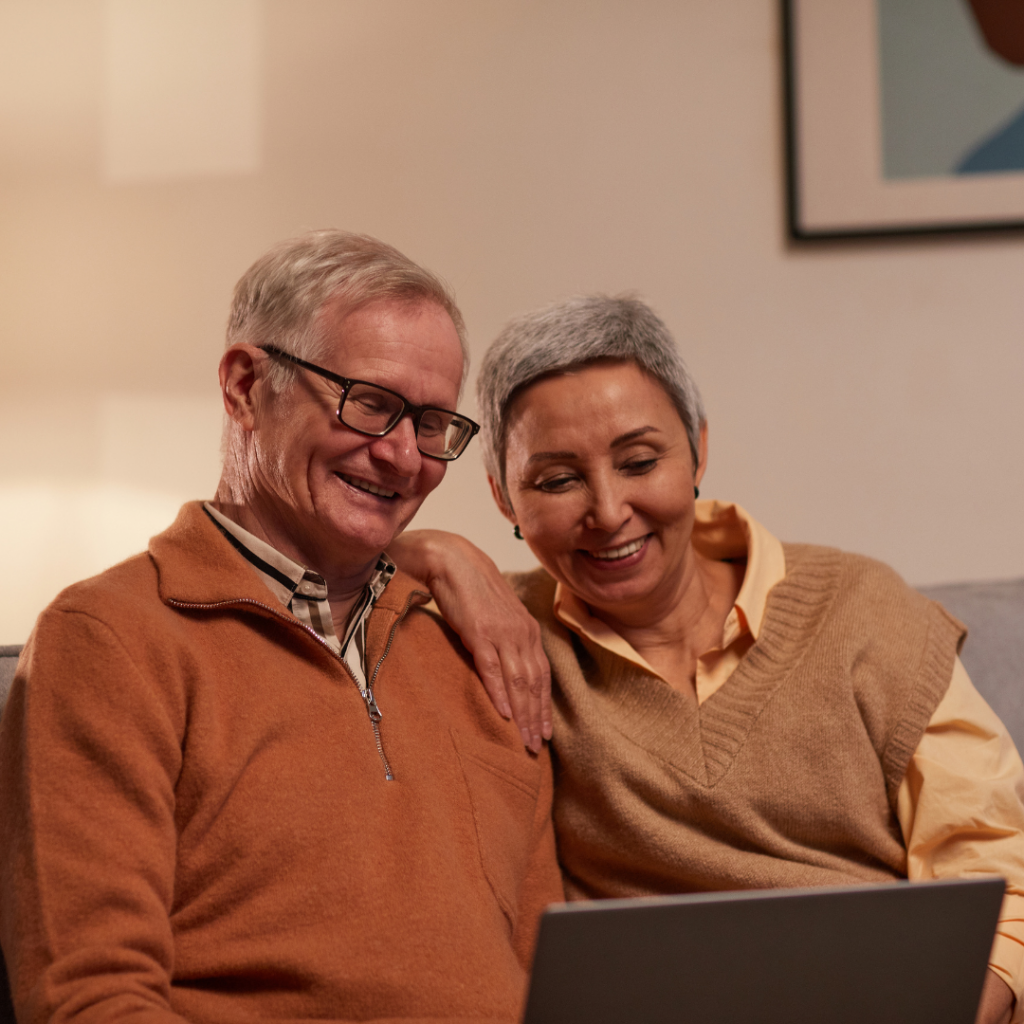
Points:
(610, 554)
(365, 485)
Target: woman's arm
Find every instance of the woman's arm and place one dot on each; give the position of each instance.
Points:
(996, 1006)
(497, 630)
(961, 812)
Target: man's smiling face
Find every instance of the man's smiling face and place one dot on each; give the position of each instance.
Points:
(338, 496)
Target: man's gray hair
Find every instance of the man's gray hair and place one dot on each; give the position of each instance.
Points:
(571, 334)
(279, 298)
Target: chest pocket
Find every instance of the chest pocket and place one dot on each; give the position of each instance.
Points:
(503, 785)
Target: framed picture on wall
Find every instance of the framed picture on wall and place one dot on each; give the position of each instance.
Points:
(904, 116)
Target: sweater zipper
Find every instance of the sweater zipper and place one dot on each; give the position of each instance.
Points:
(372, 710)
(371, 702)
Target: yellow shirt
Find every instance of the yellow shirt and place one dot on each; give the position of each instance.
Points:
(961, 803)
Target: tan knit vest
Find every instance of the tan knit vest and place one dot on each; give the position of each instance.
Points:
(786, 777)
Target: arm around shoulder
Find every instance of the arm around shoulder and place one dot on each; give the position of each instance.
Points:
(478, 603)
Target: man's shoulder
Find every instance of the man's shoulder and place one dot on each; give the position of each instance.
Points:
(441, 670)
(128, 597)
(402, 594)
(440, 650)
(118, 591)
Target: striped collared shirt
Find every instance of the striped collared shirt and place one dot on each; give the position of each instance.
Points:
(304, 592)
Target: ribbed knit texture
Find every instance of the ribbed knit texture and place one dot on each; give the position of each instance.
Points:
(786, 777)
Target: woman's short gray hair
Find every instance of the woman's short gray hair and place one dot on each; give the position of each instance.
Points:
(570, 334)
(278, 299)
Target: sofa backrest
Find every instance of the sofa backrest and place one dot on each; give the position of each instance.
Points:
(993, 653)
(8, 663)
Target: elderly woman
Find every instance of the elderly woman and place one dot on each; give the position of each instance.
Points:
(730, 712)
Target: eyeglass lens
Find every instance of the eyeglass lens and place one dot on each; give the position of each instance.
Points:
(373, 411)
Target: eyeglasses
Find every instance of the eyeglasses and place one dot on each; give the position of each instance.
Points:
(375, 411)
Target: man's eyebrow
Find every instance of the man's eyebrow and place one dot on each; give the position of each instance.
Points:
(617, 442)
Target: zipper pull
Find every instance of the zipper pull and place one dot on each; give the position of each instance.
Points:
(371, 706)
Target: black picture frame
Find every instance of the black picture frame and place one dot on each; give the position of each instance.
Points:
(834, 183)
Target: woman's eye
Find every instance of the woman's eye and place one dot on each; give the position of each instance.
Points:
(556, 483)
(638, 467)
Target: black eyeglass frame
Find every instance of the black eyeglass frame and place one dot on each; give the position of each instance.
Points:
(416, 411)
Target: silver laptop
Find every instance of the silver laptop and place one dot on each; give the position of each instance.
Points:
(906, 953)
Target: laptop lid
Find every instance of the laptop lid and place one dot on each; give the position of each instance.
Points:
(907, 953)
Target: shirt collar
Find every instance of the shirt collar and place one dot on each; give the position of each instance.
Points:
(282, 575)
(285, 577)
(725, 531)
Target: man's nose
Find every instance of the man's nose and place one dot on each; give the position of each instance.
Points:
(398, 448)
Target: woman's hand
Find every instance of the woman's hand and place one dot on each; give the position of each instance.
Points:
(496, 629)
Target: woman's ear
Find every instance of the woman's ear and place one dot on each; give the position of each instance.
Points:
(702, 454)
(499, 499)
(238, 374)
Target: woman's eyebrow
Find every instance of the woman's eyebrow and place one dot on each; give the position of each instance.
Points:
(632, 435)
(549, 456)
(617, 442)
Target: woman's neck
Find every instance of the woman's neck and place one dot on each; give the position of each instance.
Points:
(671, 638)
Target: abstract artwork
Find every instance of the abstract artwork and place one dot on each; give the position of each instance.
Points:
(904, 116)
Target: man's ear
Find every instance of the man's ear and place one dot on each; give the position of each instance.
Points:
(499, 500)
(238, 374)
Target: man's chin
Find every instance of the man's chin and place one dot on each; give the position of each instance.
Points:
(359, 535)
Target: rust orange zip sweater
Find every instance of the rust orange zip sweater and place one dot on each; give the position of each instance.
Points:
(195, 821)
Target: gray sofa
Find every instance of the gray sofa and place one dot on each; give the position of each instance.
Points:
(993, 656)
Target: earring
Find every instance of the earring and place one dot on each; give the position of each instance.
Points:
(696, 492)
(517, 533)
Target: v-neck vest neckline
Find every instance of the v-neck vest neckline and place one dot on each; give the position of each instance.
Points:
(703, 740)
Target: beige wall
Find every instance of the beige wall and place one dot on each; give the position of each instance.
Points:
(866, 395)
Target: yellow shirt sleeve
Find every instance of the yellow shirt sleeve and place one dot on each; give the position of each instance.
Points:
(961, 809)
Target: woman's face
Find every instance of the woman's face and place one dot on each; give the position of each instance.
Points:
(601, 481)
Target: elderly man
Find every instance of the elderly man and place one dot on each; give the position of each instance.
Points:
(245, 774)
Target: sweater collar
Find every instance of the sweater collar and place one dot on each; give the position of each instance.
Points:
(196, 564)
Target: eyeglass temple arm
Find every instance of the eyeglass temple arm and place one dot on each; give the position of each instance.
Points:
(337, 378)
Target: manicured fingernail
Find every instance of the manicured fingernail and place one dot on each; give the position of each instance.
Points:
(547, 730)
(525, 733)
(506, 711)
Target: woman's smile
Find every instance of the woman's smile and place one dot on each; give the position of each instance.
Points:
(618, 557)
